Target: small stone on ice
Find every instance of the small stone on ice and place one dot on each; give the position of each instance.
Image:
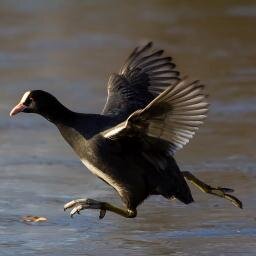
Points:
(30, 218)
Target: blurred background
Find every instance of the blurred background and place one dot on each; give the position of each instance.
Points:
(69, 48)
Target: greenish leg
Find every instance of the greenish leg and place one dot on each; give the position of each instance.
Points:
(219, 191)
(82, 204)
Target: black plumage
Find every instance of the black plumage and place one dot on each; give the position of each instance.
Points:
(149, 114)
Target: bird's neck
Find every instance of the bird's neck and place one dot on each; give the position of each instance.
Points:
(58, 114)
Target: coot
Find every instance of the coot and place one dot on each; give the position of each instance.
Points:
(150, 113)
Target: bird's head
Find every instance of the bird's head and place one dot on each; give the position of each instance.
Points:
(39, 102)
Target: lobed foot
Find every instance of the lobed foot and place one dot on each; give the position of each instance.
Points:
(82, 204)
(222, 192)
(219, 191)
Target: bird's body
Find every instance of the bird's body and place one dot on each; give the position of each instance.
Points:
(123, 165)
(150, 113)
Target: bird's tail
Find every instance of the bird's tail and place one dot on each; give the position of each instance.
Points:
(174, 184)
(184, 194)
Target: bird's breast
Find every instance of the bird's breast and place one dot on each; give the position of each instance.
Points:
(102, 175)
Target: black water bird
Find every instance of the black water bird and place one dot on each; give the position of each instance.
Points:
(150, 113)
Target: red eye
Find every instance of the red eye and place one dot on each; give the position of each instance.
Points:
(28, 101)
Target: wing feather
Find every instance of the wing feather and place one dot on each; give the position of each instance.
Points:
(145, 74)
(173, 116)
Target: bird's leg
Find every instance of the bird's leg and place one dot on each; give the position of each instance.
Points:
(219, 191)
(82, 204)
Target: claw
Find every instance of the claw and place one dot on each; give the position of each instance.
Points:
(236, 202)
(102, 214)
(76, 210)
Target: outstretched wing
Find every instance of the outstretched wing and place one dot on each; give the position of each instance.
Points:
(173, 116)
(145, 74)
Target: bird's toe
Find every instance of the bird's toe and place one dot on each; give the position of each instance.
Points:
(74, 203)
(226, 190)
(76, 210)
(81, 204)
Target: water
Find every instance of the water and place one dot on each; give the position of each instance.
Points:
(69, 48)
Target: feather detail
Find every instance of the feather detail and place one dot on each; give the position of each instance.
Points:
(173, 116)
(145, 74)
